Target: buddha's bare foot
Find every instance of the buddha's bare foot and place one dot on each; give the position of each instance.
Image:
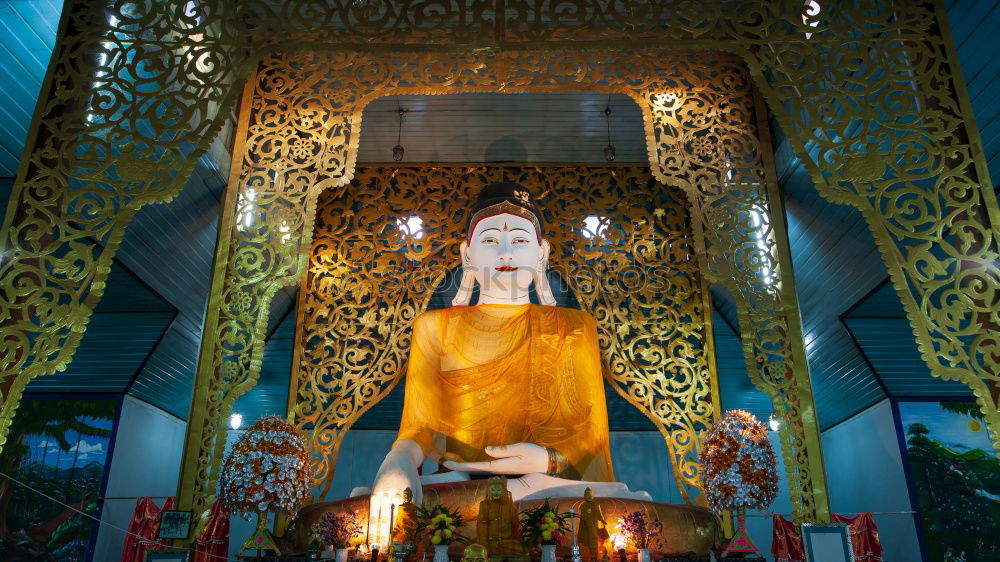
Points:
(537, 486)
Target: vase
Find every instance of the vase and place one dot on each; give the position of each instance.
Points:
(548, 553)
(644, 555)
(340, 555)
(440, 553)
(741, 543)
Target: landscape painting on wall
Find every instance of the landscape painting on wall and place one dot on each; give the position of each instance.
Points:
(59, 448)
(955, 476)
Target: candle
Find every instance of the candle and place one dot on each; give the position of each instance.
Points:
(392, 521)
(572, 524)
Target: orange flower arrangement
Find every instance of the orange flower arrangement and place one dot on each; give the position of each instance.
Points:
(738, 464)
(268, 468)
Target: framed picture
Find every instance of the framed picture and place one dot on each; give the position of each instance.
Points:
(174, 524)
(166, 556)
(827, 542)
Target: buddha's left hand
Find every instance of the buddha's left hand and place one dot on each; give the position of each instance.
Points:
(519, 458)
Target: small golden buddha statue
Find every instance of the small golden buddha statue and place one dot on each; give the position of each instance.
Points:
(405, 524)
(497, 526)
(475, 553)
(593, 528)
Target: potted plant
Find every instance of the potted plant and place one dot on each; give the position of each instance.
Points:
(639, 533)
(439, 526)
(336, 531)
(544, 526)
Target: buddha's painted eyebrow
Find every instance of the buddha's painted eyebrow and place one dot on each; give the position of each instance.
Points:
(498, 230)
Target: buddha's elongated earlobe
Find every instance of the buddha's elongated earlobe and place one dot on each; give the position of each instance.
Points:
(542, 288)
(464, 293)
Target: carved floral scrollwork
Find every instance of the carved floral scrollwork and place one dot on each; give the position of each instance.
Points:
(137, 91)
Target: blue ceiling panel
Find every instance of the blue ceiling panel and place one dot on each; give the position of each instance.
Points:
(889, 345)
(126, 326)
(975, 26)
(879, 326)
(173, 361)
(111, 352)
(29, 32)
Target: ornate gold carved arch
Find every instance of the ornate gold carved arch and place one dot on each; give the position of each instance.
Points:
(126, 108)
(701, 131)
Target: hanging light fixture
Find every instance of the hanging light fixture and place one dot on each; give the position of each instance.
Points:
(398, 150)
(609, 151)
(773, 423)
(235, 420)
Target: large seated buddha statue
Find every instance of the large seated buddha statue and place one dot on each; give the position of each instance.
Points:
(507, 387)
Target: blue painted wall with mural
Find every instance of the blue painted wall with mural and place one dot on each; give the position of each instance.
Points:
(56, 459)
(954, 476)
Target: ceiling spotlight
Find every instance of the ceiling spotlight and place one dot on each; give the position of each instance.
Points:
(398, 150)
(773, 423)
(609, 151)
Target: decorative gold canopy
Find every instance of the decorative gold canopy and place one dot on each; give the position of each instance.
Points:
(866, 92)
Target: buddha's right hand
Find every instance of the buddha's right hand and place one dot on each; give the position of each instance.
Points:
(398, 472)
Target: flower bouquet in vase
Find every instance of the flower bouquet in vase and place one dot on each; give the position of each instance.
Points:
(640, 533)
(439, 526)
(336, 531)
(267, 469)
(739, 472)
(544, 526)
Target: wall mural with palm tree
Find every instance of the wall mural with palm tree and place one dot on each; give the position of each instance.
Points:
(58, 454)
(955, 478)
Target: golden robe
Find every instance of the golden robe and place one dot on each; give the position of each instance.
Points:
(503, 374)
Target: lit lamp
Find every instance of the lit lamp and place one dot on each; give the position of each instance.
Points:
(618, 543)
(236, 420)
(773, 423)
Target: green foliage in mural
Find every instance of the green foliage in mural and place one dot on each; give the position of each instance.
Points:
(958, 493)
(57, 448)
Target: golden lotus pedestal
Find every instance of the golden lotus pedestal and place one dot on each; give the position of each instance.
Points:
(687, 530)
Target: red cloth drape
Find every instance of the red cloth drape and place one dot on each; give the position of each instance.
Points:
(142, 530)
(864, 537)
(786, 541)
(212, 544)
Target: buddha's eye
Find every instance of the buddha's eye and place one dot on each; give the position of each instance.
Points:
(520, 240)
(489, 240)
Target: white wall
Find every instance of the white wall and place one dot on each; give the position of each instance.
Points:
(864, 471)
(145, 461)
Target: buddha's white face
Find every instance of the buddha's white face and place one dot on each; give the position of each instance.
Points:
(505, 256)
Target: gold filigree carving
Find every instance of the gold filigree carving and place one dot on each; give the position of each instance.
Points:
(876, 78)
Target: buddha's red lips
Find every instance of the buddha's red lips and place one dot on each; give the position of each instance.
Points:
(506, 268)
